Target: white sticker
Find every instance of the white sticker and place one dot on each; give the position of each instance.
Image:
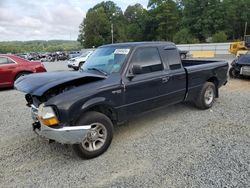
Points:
(122, 51)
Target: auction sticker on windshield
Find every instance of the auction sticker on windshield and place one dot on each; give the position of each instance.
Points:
(122, 51)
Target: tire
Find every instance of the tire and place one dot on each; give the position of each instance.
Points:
(21, 74)
(75, 69)
(233, 73)
(101, 123)
(206, 97)
(183, 56)
(80, 64)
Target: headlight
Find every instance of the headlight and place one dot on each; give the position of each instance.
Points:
(47, 115)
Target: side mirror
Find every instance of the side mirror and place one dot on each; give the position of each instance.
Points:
(136, 69)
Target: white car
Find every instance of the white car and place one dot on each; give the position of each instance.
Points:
(77, 62)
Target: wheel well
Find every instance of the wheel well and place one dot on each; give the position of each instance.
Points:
(107, 110)
(215, 81)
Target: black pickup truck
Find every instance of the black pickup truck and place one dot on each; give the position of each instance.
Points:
(116, 83)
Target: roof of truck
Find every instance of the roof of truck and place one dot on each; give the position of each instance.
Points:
(135, 44)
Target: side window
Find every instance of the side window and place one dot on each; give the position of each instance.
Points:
(10, 61)
(172, 56)
(3, 60)
(148, 58)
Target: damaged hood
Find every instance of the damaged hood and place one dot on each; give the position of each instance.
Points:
(38, 84)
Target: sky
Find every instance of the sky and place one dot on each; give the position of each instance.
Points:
(25, 20)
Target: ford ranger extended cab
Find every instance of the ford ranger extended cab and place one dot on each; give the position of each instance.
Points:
(116, 83)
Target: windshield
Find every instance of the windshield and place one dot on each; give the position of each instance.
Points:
(107, 60)
(84, 54)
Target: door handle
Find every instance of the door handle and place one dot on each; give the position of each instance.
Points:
(165, 79)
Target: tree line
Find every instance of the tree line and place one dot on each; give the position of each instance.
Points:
(180, 21)
(38, 46)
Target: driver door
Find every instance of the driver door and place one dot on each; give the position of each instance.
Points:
(142, 90)
(6, 68)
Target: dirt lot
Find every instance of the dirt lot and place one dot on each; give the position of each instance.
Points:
(177, 146)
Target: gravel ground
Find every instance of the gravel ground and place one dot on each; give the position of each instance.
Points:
(176, 146)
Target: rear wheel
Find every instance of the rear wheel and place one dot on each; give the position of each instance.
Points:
(98, 138)
(206, 96)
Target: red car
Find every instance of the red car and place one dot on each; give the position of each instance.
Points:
(12, 67)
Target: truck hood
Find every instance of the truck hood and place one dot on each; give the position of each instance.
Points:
(38, 84)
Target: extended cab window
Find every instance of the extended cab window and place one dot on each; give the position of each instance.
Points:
(172, 56)
(148, 58)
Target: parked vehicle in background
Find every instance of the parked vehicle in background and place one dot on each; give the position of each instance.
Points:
(12, 67)
(22, 55)
(74, 54)
(183, 54)
(33, 56)
(240, 48)
(77, 62)
(60, 56)
(240, 66)
(117, 82)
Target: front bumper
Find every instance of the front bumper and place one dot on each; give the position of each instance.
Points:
(63, 135)
(72, 65)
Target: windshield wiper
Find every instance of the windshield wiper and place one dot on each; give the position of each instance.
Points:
(101, 71)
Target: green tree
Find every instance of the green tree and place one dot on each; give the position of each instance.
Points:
(203, 17)
(184, 36)
(135, 17)
(166, 18)
(95, 30)
(38, 46)
(236, 15)
(219, 37)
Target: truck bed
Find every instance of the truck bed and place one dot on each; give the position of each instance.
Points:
(193, 62)
(199, 71)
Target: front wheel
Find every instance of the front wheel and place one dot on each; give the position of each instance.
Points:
(206, 96)
(183, 56)
(80, 65)
(98, 138)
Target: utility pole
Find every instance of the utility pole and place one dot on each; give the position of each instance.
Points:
(112, 32)
(112, 27)
(245, 33)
